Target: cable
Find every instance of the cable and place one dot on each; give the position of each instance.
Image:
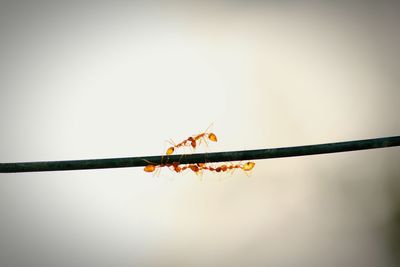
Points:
(282, 152)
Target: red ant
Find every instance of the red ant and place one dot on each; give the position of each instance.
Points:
(193, 140)
(175, 167)
(224, 168)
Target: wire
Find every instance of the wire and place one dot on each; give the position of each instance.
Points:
(282, 152)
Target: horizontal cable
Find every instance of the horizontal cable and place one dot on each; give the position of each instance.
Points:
(201, 157)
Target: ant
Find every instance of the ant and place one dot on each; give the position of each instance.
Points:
(175, 167)
(193, 141)
(224, 167)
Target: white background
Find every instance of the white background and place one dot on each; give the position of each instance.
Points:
(116, 79)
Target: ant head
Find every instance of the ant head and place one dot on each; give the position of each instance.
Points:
(170, 150)
(149, 168)
(212, 137)
(248, 166)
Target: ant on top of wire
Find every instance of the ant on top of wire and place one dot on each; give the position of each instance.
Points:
(193, 141)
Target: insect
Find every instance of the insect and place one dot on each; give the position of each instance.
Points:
(230, 167)
(193, 141)
(175, 166)
(151, 167)
(199, 167)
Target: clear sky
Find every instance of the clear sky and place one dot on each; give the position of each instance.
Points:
(105, 79)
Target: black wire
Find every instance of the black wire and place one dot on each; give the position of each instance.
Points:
(200, 158)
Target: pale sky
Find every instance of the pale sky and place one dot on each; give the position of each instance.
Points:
(86, 80)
